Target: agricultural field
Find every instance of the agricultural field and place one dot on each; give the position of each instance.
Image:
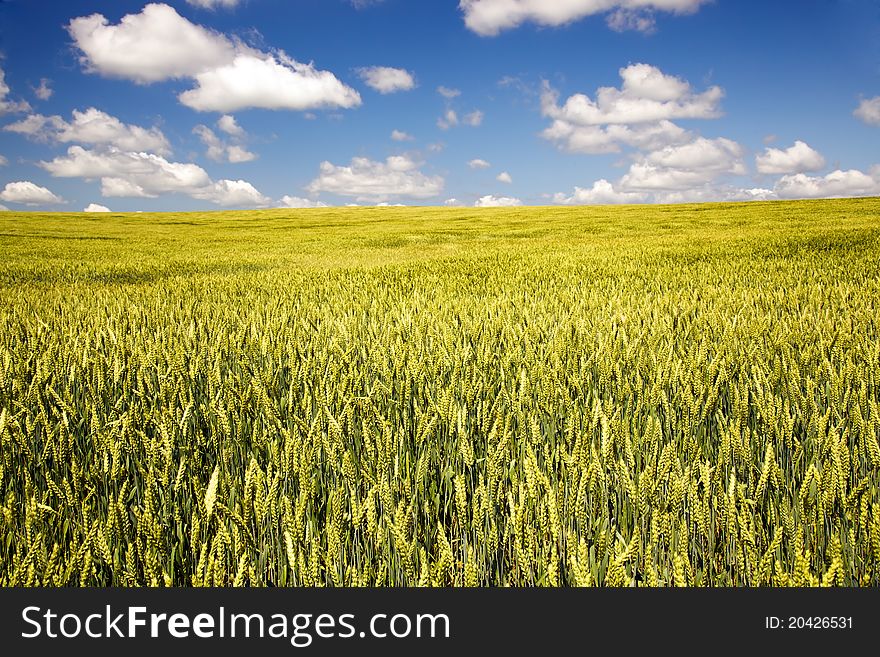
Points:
(614, 396)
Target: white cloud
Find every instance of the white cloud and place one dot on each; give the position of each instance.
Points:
(869, 110)
(228, 125)
(478, 164)
(638, 114)
(28, 193)
(504, 177)
(213, 4)
(386, 79)
(448, 120)
(637, 20)
(795, 159)
(299, 202)
(647, 94)
(452, 203)
(267, 83)
(9, 106)
(156, 44)
(3, 161)
(231, 193)
(368, 180)
(835, 185)
(92, 127)
(601, 193)
(218, 150)
(159, 44)
(146, 175)
(473, 119)
(609, 139)
(399, 135)
(489, 17)
(3, 208)
(44, 91)
(447, 92)
(685, 166)
(497, 202)
(94, 207)
(238, 154)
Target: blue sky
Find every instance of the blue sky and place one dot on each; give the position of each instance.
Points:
(200, 104)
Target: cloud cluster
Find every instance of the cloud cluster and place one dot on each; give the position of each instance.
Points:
(491, 201)
(147, 175)
(869, 110)
(601, 193)
(159, 44)
(93, 127)
(795, 159)
(387, 80)
(638, 114)
(220, 150)
(28, 193)
(836, 184)
(369, 180)
(299, 202)
(490, 17)
(9, 106)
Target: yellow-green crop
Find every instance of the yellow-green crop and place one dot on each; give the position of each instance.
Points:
(671, 395)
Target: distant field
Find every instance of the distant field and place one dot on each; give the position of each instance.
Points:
(668, 395)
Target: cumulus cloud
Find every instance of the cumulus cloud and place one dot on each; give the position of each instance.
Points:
(399, 135)
(159, 44)
(267, 83)
(685, 166)
(473, 119)
(231, 193)
(836, 184)
(220, 151)
(478, 164)
(146, 175)
(228, 124)
(601, 193)
(638, 114)
(92, 127)
(504, 177)
(489, 17)
(369, 180)
(9, 106)
(299, 202)
(44, 91)
(795, 159)
(869, 110)
(28, 193)
(448, 120)
(452, 203)
(156, 44)
(646, 95)
(386, 79)
(491, 201)
(94, 207)
(447, 92)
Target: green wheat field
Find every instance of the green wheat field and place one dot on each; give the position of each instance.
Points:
(629, 396)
